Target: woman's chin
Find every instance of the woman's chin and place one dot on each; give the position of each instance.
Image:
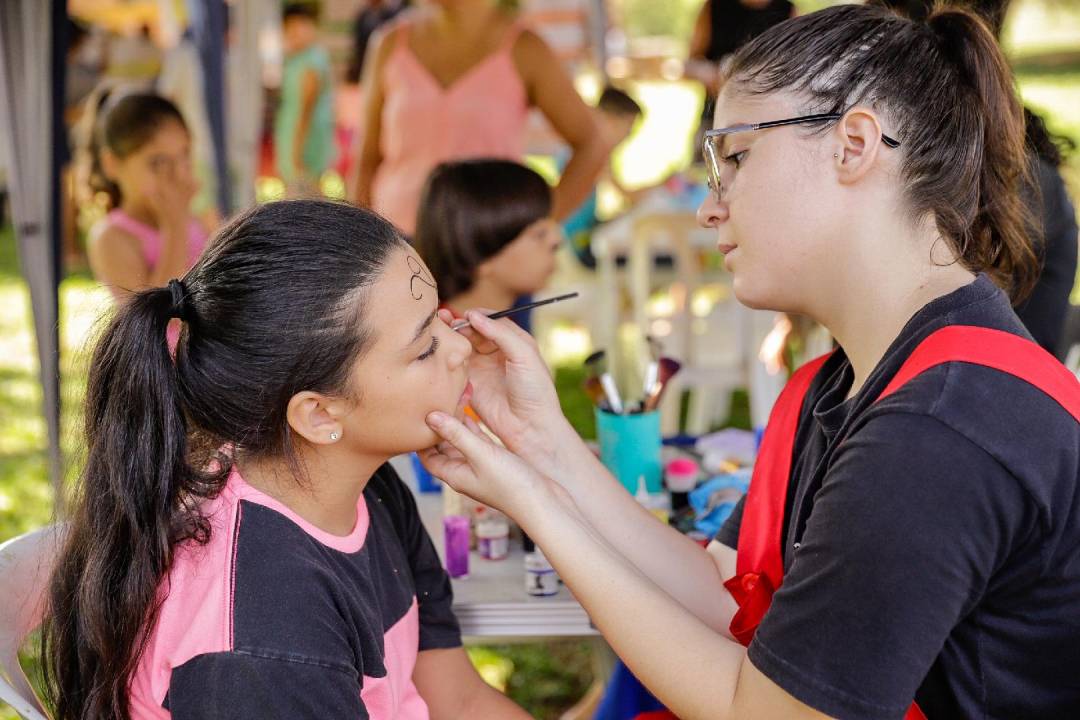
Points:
(749, 293)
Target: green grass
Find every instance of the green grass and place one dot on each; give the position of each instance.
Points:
(25, 493)
(545, 678)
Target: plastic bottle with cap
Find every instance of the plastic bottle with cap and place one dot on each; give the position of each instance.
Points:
(680, 476)
(658, 504)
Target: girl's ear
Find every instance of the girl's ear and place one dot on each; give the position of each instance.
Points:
(110, 164)
(315, 417)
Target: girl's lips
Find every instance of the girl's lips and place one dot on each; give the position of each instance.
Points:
(466, 395)
(725, 249)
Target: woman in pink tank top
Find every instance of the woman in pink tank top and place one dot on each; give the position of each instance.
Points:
(457, 82)
(142, 160)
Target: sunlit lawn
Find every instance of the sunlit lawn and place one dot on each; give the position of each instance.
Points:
(25, 495)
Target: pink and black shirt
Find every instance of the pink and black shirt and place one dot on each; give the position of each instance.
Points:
(274, 618)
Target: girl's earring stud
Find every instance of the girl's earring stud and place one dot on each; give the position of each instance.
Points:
(334, 436)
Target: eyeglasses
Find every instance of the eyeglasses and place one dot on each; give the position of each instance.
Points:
(722, 172)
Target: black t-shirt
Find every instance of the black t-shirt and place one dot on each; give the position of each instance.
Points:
(732, 24)
(934, 553)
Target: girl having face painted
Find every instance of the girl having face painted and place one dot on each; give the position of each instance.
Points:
(910, 544)
(239, 546)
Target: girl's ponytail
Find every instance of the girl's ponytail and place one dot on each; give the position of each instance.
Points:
(139, 496)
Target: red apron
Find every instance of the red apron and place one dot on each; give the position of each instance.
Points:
(759, 564)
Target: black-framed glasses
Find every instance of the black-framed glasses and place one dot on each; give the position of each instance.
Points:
(721, 172)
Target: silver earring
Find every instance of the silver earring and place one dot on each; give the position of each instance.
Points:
(334, 436)
(836, 155)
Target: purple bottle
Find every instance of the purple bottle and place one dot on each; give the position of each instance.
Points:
(456, 536)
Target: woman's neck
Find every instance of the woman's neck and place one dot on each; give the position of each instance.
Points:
(138, 211)
(465, 18)
(877, 309)
(483, 294)
(325, 496)
(892, 271)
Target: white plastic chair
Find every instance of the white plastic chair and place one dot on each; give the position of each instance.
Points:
(26, 563)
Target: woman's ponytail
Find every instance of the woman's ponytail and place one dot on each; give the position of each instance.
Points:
(999, 238)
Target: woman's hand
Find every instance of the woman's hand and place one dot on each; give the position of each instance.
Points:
(512, 390)
(473, 464)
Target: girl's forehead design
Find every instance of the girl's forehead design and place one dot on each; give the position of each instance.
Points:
(420, 281)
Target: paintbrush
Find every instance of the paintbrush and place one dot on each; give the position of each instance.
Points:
(656, 349)
(611, 392)
(463, 323)
(596, 363)
(595, 390)
(652, 376)
(666, 370)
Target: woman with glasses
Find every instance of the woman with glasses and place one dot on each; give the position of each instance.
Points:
(910, 544)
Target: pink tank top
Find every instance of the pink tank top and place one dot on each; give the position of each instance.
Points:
(151, 239)
(483, 113)
(152, 244)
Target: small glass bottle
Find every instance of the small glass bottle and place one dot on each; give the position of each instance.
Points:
(540, 577)
(492, 534)
(456, 534)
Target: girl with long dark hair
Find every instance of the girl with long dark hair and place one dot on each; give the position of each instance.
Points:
(239, 546)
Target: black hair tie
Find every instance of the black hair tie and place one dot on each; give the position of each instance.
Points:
(179, 300)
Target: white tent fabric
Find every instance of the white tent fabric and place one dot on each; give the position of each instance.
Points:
(25, 108)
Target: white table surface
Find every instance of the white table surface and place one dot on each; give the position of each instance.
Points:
(491, 602)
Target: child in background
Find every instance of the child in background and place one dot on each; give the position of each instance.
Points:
(142, 160)
(304, 144)
(239, 546)
(484, 230)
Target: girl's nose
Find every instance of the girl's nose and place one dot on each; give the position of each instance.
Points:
(459, 349)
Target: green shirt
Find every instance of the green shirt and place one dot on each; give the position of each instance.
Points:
(319, 150)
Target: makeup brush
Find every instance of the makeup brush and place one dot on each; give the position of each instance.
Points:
(463, 323)
(652, 376)
(596, 363)
(656, 348)
(667, 369)
(595, 390)
(611, 392)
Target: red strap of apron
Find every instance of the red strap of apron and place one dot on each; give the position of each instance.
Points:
(995, 349)
(759, 565)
